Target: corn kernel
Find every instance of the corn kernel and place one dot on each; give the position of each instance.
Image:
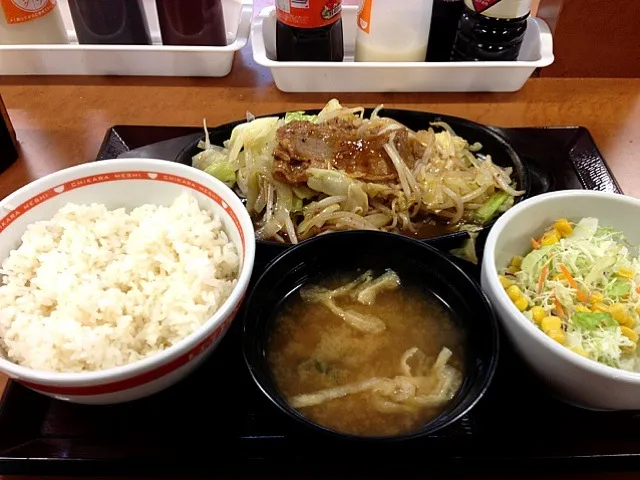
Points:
(514, 292)
(513, 269)
(521, 303)
(630, 349)
(631, 321)
(625, 272)
(619, 313)
(551, 323)
(538, 314)
(580, 351)
(630, 334)
(516, 261)
(596, 297)
(505, 282)
(563, 227)
(550, 238)
(558, 336)
(582, 309)
(599, 307)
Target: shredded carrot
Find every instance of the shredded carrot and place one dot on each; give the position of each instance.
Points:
(568, 276)
(558, 306)
(565, 271)
(535, 244)
(637, 289)
(543, 277)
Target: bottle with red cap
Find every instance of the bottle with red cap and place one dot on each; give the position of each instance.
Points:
(309, 30)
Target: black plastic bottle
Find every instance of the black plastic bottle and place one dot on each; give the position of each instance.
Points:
(111, 22)
(491, 30)
(444, 25)
(309, 30)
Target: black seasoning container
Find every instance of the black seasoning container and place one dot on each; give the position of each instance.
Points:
(113, 22)
(444, 24)
(192, 22)
(491, 30)
(8, 140)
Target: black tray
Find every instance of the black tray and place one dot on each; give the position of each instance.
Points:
(216, 421)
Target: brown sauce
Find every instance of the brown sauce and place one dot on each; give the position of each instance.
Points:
(192, 22)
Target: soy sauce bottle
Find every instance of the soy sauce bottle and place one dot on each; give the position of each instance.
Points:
(309, 30)
(110, 22)
(444, 25)
(491, 30)
(192, 22)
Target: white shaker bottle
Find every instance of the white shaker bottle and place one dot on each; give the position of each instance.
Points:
(393, 30)
(31, 21)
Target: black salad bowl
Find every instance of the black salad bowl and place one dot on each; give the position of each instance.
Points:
(416, 263)
(501, 151)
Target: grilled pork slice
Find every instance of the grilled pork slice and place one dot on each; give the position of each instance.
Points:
(338, 144)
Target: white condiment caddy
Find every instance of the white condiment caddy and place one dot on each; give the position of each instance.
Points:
(350, 76)
(139, 60)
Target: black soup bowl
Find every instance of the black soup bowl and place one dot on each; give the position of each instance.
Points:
(493, 143)
(415, 262)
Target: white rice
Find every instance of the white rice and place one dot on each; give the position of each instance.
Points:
(94, 288)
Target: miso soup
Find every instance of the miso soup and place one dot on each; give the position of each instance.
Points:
(366, 354)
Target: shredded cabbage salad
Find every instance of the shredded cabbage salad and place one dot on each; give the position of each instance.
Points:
(580, 285)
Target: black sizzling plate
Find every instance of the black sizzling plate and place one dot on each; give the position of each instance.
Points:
(501, 151)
